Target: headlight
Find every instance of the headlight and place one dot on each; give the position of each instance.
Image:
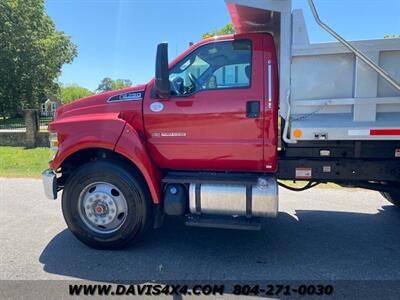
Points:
(53, 139)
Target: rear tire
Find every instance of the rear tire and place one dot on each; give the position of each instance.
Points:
(393, 198)
(106, 206)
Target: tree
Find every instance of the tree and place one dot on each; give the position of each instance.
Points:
(107, 84)
(227, 29)
(392, 36)
(121, 83)
(69, 93)
(32, 53)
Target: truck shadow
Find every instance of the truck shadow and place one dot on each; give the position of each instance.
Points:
(315, 245)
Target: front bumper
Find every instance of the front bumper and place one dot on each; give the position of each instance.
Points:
(49, 179)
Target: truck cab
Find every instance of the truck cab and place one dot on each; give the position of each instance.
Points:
(220, 113)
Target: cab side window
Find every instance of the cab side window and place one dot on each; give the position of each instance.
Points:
(233, 76)
(218, 65)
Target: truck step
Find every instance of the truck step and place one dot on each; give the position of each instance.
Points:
(224, 222)
(211, 177)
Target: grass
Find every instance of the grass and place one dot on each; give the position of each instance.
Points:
(22, 162)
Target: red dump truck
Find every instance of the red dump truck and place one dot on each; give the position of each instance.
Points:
(212, 134)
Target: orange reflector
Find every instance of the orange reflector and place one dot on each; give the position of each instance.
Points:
(297, 133)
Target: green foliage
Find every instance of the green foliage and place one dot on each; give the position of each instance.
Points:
(392, 36)
(227, 29)
(121, 83)
(108, 84)
(32, 53)
(71, 92)
(105, 85)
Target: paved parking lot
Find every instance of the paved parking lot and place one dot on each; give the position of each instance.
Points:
(319, 234)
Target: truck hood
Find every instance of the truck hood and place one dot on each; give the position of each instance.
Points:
(108, 102)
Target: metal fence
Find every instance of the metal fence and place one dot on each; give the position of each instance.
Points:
(18, 124)
(44, 121)
(12, 124)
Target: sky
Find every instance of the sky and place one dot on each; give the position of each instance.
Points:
(118, 38)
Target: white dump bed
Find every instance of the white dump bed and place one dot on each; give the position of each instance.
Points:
(326, 91)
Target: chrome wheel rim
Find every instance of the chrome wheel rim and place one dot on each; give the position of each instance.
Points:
(102, 207)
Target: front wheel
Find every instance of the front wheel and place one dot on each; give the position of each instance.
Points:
(105, 206)
(393, 198)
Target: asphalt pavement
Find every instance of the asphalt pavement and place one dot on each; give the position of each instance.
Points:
(321, 234)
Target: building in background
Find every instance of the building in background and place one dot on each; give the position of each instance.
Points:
(49, 107)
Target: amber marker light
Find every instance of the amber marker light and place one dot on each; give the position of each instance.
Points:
(297, 133)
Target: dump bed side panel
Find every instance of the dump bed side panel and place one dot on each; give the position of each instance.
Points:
(335, 96)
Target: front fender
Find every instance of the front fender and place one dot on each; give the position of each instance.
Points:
(131, 146)
(85, 131)
(106, 131)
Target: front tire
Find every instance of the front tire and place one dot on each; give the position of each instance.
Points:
(106, 206)
(393, 198)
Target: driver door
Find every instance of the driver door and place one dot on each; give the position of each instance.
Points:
(214, 117)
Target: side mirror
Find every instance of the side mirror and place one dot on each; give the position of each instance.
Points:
(161, 84)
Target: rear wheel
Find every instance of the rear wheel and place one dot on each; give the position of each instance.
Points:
(105, 206)
(394, 198)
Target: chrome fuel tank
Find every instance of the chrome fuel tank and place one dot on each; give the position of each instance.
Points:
(260, 200)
